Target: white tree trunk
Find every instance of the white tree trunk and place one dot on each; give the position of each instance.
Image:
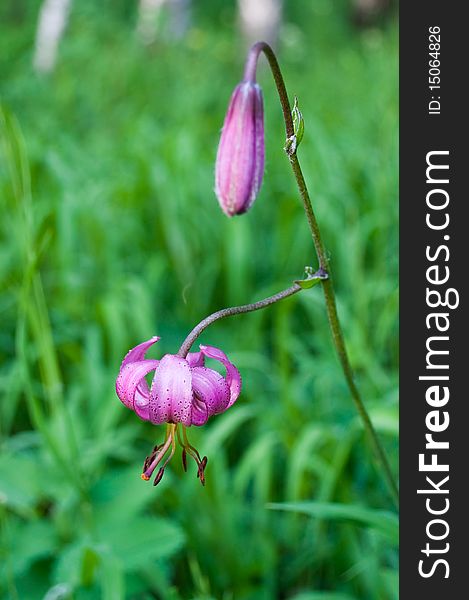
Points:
(150, 16)
(147, 25)
(260, 20)
(53, 19)
(367, 12)
(180, 17)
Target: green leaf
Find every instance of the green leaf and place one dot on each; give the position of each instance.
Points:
(321, 596)
(122, 491)
(259, 453)
(390, 581)
(385, 522)
(83, 565)
(60, 591)
(19, 483)
(112, 577)
(29, 541)
(311, 278)
(225, 426)
(308, 283)
(69, 566)
(298, 122)
(137, 540)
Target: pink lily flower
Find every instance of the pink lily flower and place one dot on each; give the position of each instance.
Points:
(183, 393)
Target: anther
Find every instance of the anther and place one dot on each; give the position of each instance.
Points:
(159, 476)
(201, 476)
(201, 470)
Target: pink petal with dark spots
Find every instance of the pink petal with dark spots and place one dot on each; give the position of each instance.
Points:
(211, 389)
(138, 353)
(171, 392)
(131, 387)
(233, 377)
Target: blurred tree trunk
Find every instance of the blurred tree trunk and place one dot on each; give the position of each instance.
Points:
(260, 20)
(180, 17)
(147, 25)
(170, 17)
(53, 19)
(368, 12)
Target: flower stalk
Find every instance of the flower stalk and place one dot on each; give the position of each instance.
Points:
(291, 147)
(235, 310)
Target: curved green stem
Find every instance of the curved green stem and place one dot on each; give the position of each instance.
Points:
(234, 310)
(329, 295)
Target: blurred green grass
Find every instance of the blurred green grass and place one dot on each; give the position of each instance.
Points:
(111, 233)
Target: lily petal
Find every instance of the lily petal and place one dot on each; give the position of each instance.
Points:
(199, 412)
(171, 392)
(138, 353)
(195, 359)
(233, 377)
(131, 387)
(211, 389)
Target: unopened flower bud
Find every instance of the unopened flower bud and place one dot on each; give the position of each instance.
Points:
(240, 158)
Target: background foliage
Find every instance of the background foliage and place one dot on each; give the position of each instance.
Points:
(111, 233)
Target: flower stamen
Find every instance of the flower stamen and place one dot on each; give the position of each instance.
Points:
(189, 446)
(152, 461)
(158, 453)
(160, 473)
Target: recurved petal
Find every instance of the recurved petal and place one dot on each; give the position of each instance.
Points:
(233, 378)
(195, 359)
(211, 389)
(138, 353)
(171, 392)
(131, 387)
(199, 412)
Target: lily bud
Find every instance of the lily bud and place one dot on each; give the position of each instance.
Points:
(240, 159)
